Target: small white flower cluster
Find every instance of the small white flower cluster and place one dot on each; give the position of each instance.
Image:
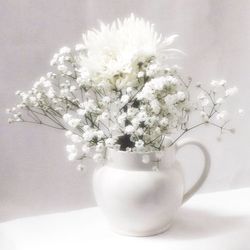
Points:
(211, 103)
(116, 92)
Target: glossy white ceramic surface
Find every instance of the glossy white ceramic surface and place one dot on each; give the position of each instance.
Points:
(141, 199)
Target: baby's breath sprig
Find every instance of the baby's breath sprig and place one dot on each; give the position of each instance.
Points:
(112, 91)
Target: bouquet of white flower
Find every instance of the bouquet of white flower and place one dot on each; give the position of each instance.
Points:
(118, 90)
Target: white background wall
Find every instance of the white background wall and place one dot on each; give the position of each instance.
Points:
(35, 176)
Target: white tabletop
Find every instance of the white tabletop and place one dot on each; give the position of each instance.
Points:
(213, 221)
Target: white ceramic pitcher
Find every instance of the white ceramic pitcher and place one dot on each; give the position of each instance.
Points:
(141, 199)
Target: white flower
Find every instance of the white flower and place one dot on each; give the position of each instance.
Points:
(129, 90)
(51, 93)
(74, 122)
(54, 60)
(181, 96)
(99, 134)
(79, 47)
(155, 105)
(170, 100)
(139, 131)
(63, 68)
(117, 90)
(81, 167)
(64, 92)
(32, 99)
(39, 96)
(72, 88)
(89, 105)
(124, 99)
(51, 75)
(151, 121)
(171, 39)
(139, 144)
(220, 100)
(158, 83)
(231, 91)
(68, 133)
(67, 117)
(106, 99)
(129, 129)
(47, 84)
(218, 83)
(140, 74)
(147, 94)
(131, 112)
(81, 112)
(86, 127)
(152, 69)
(114, 128)
(105, 116)
(121, 118)
(88, 135)
(85, 149)
(72, 156)
(18, 92)
(164, 121)
(202, 98)
(65, 50)
(76, 138)
(171, 80)
(112, 51)
(71, 148)
(84, 75)
(204, 102)
(142, 116)
(135, 122)
(222, 115)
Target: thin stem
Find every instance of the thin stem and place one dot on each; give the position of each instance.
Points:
(184, 83)
(132, 98)
(42, 123)
(218, 126)
(209, 95)
(52, 118)
(153, 140)
(187, 130)
(34, 116)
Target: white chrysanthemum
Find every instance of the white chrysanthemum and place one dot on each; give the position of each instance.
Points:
(117, 48)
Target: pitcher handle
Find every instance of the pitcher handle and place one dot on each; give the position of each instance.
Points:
(207, 162)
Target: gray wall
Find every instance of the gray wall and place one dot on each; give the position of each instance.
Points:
(35, 176)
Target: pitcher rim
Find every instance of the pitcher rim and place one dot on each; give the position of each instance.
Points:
(140, 152)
